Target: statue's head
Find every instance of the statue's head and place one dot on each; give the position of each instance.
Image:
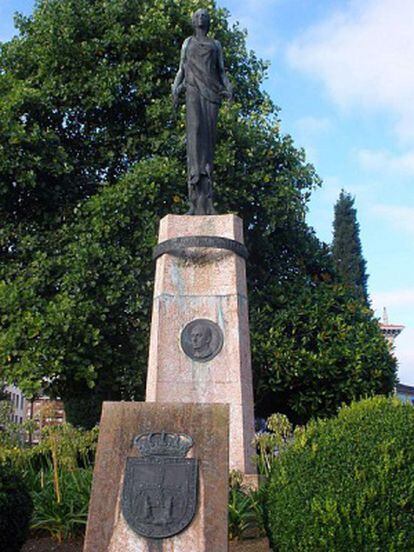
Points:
(201, 18)
(201, 337)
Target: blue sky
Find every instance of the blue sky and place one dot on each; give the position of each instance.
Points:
(342, 72)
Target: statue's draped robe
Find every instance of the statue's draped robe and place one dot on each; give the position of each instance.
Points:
(203, 96)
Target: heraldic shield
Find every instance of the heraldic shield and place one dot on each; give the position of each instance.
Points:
(159, 496)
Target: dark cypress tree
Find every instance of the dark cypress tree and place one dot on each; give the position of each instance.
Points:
(346, 247)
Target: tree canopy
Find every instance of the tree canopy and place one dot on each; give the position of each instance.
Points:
(349, 262)
(91, 156)
(322, 349)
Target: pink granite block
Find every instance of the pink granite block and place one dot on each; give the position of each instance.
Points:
(227, 226)
(107, 530)
(210, 284)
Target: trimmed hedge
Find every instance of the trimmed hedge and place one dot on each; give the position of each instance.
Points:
(15, 511)
(347, 483)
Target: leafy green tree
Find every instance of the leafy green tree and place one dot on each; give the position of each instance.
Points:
(4, 396)
(6, 410)
(322, 349)
(91, 156)
(86, 93)
(16, 509)
(349, 262)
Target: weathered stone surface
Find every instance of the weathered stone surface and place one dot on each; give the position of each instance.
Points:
(107, 530)
(206, 284)
(253, 545)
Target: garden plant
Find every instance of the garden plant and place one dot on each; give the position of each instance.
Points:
(15, 510)
(57, 473)
(246, 515)
(346, 483)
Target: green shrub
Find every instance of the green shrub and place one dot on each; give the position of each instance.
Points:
(61, 487)
(68, 446)
(15, 511)
(245, 509)
(347, 483)
(62, 514)
(278, 435)
(84, 409)
(58, 475)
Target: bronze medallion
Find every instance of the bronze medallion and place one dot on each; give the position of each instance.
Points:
(202, 340)
(159, 496)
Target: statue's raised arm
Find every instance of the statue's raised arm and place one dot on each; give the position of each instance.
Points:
(202, 75)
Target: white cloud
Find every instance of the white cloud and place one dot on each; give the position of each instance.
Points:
(399, 216)
(308, 126)
(394, 299)
(385, 161)
(364, 55)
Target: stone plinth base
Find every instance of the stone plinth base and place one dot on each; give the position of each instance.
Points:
(254, 545)
(207, 283)
(107, 530)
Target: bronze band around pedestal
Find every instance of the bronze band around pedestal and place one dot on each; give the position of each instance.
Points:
(177, 246)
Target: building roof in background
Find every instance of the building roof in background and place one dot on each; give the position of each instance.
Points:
(401, 388)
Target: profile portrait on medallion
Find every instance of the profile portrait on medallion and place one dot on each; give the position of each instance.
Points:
(202, 340)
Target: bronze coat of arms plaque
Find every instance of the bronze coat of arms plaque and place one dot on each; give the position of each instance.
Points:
(159, 496)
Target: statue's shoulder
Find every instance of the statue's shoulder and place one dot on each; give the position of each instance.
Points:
(218, 44)
(184, 48)
(186, 43)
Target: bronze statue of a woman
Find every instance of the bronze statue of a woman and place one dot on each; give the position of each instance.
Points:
(201, 74)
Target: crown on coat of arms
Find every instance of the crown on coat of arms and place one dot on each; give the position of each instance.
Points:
(163, 444)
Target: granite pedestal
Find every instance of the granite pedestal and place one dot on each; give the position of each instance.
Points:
(207, 283)
(107, 529)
